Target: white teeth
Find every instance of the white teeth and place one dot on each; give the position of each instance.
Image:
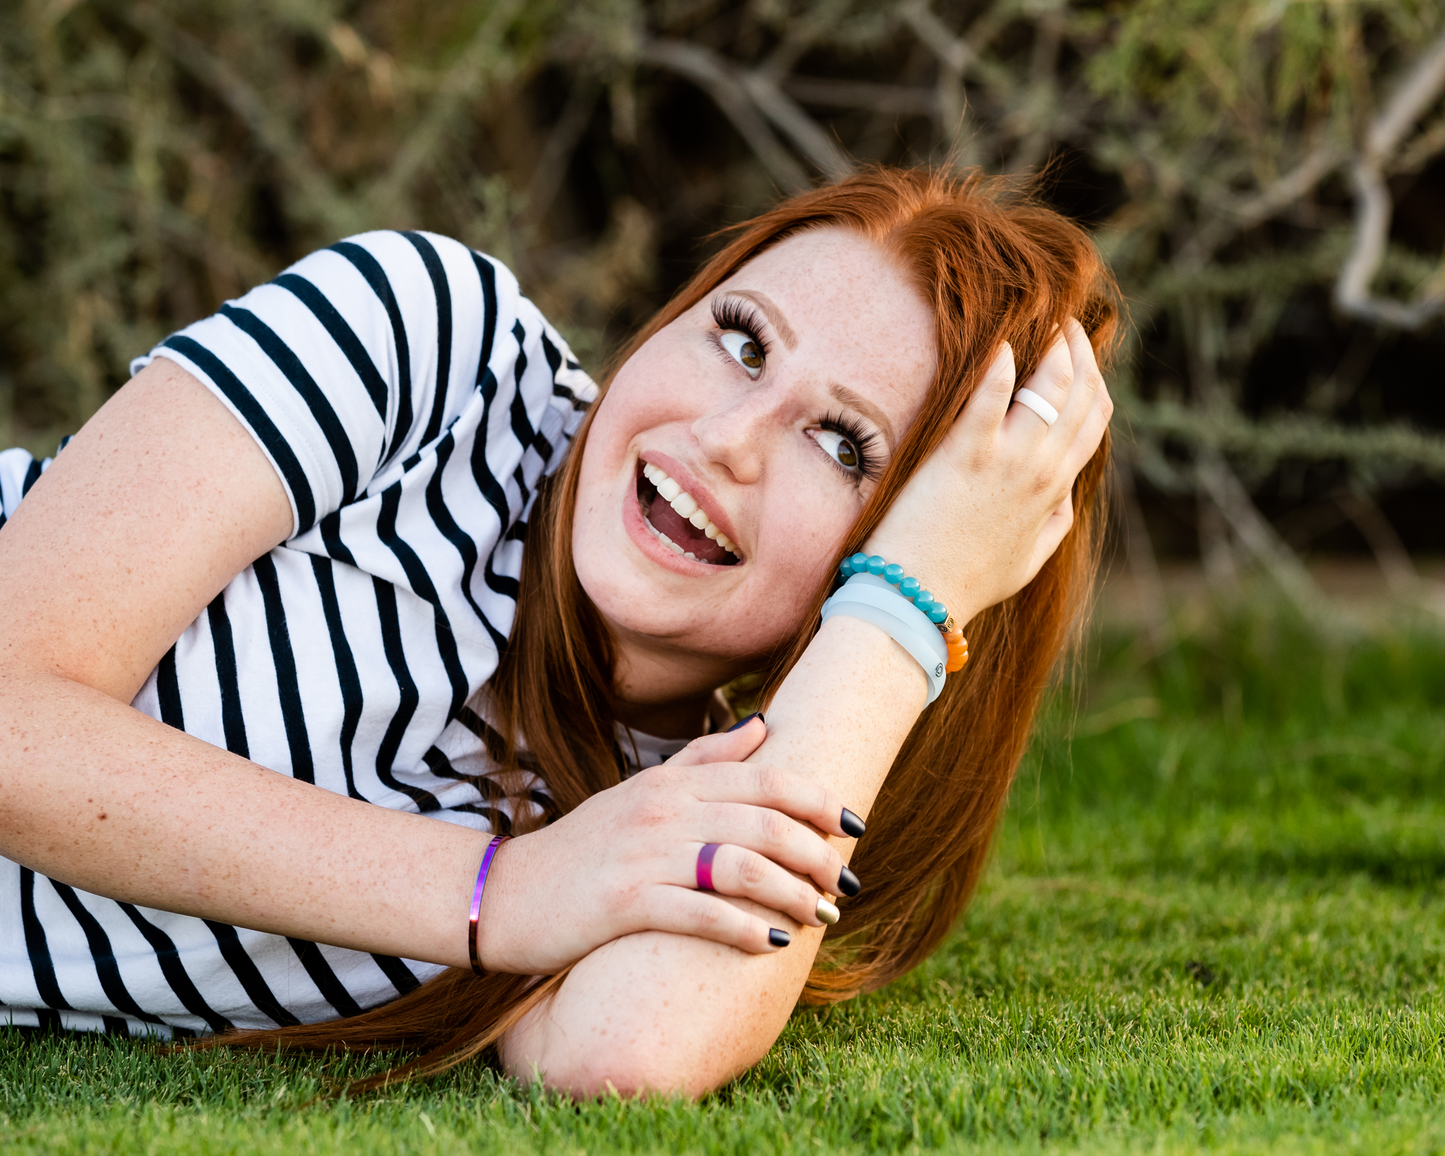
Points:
(686, 506)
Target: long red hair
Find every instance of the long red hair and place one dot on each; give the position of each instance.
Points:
(995, 266)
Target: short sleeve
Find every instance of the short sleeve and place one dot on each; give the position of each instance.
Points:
(361, 354)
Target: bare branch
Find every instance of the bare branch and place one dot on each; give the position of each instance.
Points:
(318, 197)
(1254, 533)
(1373, 207)
(462, 81)
(1400, 574)
(551, 169)
(912, 101)
(804, 132)
(1304, 438)
(708, 71)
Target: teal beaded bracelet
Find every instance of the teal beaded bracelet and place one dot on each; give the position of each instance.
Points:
(910, 588)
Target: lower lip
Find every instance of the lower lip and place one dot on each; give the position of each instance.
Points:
(654, 548)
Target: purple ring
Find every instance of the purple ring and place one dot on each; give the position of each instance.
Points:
(704, 866)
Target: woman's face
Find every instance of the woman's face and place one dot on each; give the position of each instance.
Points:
(748, 433)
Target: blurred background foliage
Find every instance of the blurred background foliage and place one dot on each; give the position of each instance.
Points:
(1267, 177)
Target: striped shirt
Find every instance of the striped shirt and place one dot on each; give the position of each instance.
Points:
(410, 400)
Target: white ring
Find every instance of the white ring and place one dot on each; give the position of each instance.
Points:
(1028, 397)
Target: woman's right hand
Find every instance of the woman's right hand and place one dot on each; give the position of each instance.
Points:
(625, 861)
(993, 502)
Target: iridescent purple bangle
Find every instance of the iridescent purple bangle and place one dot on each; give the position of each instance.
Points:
(487, 856)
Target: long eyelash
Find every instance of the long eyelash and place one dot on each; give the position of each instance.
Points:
(732, 313)
(862, 441)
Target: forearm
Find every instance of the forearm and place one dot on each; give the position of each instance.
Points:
(673, 1012)
(106, 799)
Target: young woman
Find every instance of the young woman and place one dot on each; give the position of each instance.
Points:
(366, 550)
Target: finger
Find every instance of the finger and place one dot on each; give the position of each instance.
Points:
(748, 875)
(1086, 383)
(1051, 380)
(783, 840)
(730, 746)
(1054, 530)
(1086, 442)
(990, 401)
(763, 786)
(706, 916)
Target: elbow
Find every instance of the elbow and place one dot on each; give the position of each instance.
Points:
(586, 1066)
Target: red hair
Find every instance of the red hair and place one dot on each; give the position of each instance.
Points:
(995, 266)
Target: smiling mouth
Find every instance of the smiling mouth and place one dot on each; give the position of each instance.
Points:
(673, 515)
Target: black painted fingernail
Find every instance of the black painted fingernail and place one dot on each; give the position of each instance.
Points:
(778, 937)
(852, 826)
(848, 883)
(742, 722)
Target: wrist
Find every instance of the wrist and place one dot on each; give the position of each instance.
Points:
(956, 594)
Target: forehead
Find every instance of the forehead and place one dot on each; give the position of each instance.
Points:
(852, 310)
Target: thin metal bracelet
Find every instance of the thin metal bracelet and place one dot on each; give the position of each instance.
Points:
(487, 856)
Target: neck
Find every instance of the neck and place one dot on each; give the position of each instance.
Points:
(663, 692)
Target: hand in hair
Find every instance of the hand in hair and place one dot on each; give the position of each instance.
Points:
(625, 860)
(990, 506)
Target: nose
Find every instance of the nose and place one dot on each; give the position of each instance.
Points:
(737, 435)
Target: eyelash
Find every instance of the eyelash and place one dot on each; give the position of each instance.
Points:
(862, 442)
(730, 313)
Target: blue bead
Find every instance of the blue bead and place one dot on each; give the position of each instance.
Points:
(909, 588)
(893, 572)
(921, 597)
(938, 614)
(859, 562)
(876, 564)
(924, 605)
(845, 569)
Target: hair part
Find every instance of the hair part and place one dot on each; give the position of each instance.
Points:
(994, 265)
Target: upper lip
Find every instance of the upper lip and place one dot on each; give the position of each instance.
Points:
(685, 478)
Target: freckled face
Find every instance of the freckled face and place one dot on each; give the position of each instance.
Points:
(749, 433)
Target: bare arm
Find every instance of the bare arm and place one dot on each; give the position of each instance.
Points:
(673, 1013)
(160, 500)
(157, 504)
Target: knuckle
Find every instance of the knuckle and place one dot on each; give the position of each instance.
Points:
(772, 784)
(753, 869)
(708, 914)
(775, 827)
(653, 813)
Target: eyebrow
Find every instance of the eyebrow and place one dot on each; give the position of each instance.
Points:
(773, 314)
(868, 409)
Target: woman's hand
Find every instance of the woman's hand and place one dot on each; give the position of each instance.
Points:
(626, 860)
(993, 502)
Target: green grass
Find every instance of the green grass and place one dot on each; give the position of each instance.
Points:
(1214, 924)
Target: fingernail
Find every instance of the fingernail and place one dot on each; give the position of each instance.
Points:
(848, 883)
(779, 938)
(852, 826)
(827, 912)
(742, 722)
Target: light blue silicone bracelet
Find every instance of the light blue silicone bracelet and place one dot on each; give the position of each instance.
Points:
(874, 600)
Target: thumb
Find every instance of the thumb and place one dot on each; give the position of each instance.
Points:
(731, 746)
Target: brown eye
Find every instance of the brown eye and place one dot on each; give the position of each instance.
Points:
(837, 447)
(744, 350)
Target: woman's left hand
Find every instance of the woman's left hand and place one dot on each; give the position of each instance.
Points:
(993, 502)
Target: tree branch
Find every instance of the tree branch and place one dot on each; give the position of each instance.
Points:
(1352, 296)
(707, 70)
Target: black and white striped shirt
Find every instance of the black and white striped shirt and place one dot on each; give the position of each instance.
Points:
(410, 399)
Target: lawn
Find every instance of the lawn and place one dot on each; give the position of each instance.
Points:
(1214, 923)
